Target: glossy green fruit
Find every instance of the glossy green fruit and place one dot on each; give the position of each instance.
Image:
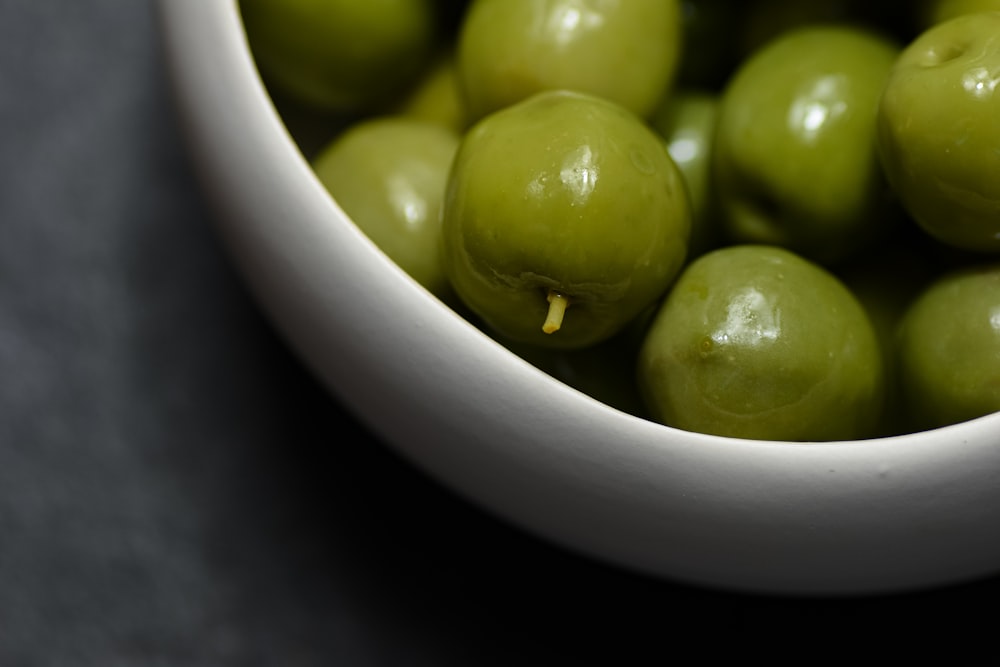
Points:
(687, 122)
(949, 349)
(340, 55)
(757, 342)
(795, 161)
(939, 133)
(563, 200)
(389, 175)
(627, 52)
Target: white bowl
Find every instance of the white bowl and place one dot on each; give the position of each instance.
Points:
(887, 515)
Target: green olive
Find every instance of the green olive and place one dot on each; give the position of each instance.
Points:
(795, 161)
(389, 175)
(627, 52)
(949, 348)
(758, 342)
(564, 217)
(939, 133)
(686, 121)
(340, 55)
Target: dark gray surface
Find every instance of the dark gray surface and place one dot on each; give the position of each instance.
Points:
(176, 490)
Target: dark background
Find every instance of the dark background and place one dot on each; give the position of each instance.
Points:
(176, 489)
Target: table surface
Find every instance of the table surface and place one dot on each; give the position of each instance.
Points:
(177, 489)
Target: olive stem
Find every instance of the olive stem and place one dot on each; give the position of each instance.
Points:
(558, 303)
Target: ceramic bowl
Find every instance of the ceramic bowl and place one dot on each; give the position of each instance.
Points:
(840, 518)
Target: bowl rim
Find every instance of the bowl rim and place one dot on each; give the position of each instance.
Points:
(880, 515)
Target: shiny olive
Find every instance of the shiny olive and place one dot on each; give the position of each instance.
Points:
(687, 121)
(949, 348)
(564, 217)
(939, 131)
(340, 55)
(756, 342)
(626, 51)
(389, 175)
(795, 163)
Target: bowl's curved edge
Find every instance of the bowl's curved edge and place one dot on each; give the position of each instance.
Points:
(893, 514)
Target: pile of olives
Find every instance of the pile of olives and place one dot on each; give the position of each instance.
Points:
(769, 219)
